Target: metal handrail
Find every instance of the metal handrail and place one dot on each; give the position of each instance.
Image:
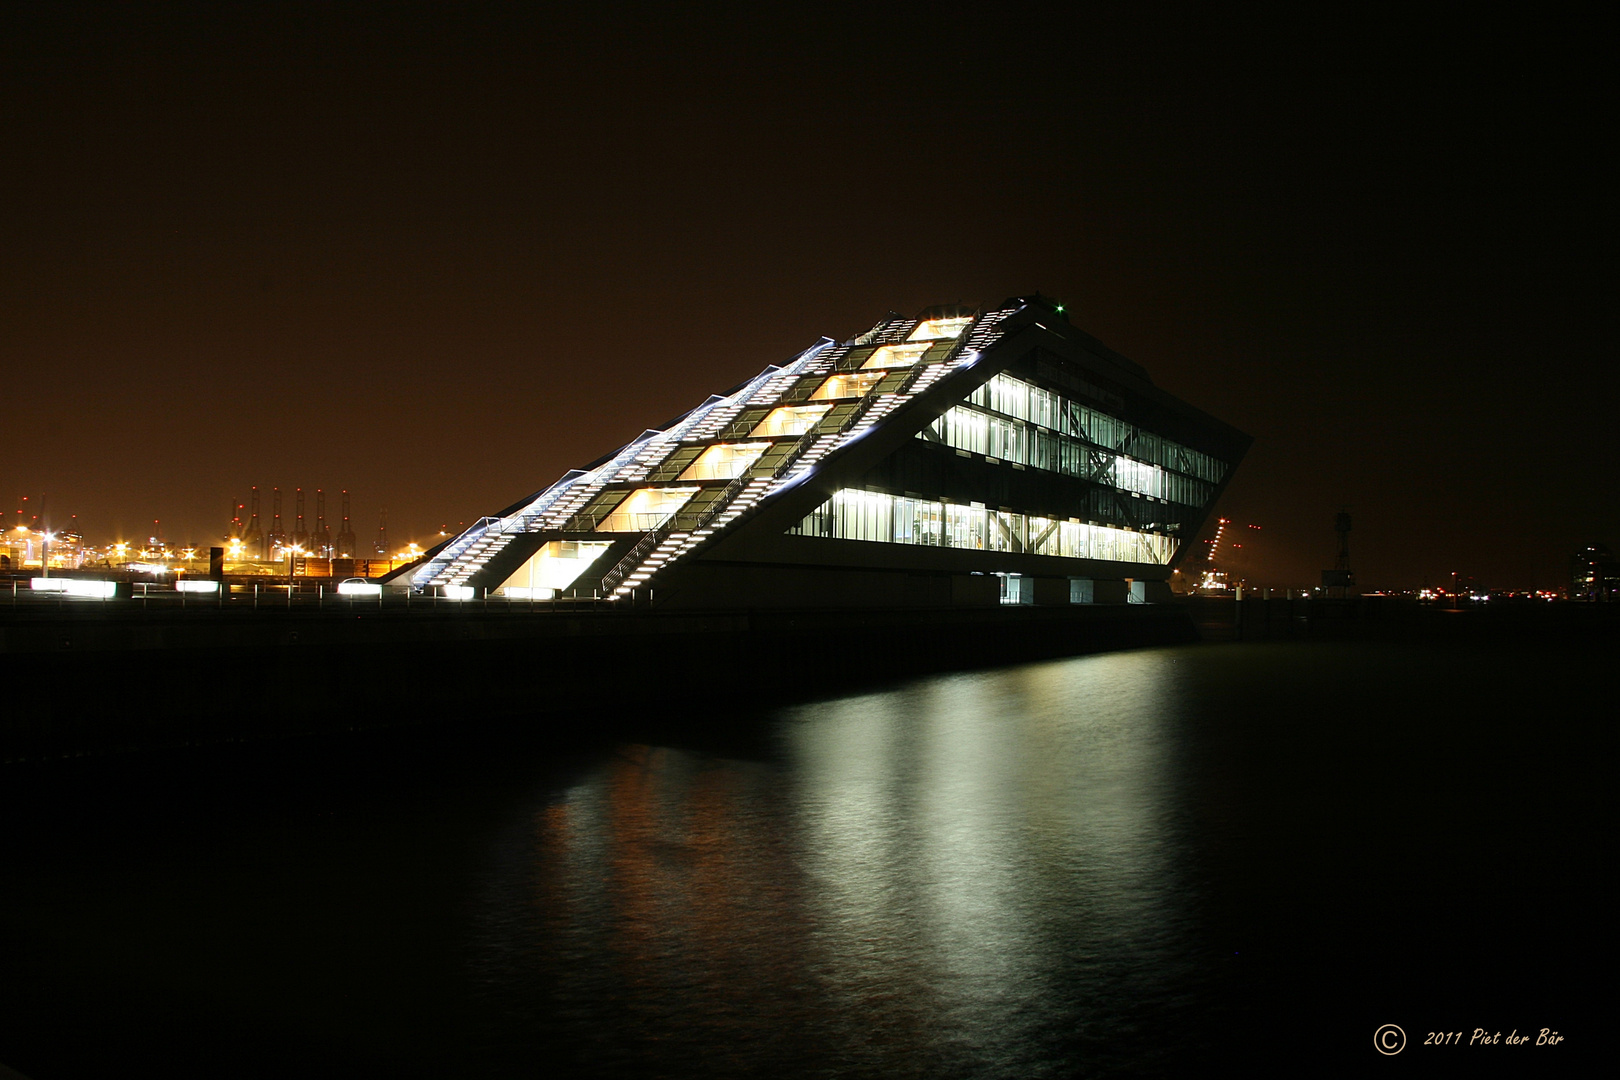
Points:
(447, 558)
(632, 558)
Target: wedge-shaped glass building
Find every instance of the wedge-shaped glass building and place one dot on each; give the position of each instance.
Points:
(963, 457)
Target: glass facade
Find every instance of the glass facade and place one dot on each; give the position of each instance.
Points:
(646, 509)
(724, 461)
(557, 565)
(892, 519)
(789, 420)
(895, 356)
(934, 329)
(852, 385)
(1011, 420)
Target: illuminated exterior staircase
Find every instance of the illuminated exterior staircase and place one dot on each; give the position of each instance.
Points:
(800, 457)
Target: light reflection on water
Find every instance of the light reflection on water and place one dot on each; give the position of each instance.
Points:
(1132, 863)
(971, 874)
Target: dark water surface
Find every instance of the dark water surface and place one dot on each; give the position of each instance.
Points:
(1136, 863)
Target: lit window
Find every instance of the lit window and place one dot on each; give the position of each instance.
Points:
(847, 386)
(935, 329)
(790, 420)
(646, 509)
(1136, 476)
(556, 565)
(893, 356)
(724, 461)
(873, 516)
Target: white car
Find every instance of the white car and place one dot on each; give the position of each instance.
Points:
(356, 586)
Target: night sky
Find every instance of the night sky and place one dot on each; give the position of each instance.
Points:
(439, 255)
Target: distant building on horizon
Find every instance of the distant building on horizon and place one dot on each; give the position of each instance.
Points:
(959, 458)
(1594, 574)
